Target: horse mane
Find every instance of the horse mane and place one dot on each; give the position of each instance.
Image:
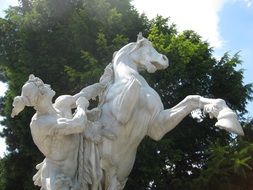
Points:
(131, 47)
(127, 48)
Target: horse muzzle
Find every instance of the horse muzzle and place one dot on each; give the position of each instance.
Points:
(166, 61)
(163, 63)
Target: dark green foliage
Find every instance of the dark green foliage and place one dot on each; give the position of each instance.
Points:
(68, 44)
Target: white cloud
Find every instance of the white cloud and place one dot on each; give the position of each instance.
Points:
(12, 2)
(4, 4)
(198, 15)
(3, 88)
(248, 2)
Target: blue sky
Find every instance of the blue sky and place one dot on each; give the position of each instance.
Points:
(237, 30)
(226, 24)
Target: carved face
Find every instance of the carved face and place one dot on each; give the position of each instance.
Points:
(33, 92)
(147, 58)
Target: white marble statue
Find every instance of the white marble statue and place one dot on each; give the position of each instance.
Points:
(134, 110)
(69, 143)
(93, 150)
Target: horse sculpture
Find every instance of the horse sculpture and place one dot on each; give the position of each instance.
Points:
(133, 110)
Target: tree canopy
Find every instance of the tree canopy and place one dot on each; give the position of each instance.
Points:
(68, 44)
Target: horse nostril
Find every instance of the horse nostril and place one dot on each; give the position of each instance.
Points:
(165, 58)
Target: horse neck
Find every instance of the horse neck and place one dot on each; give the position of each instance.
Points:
(123, 66)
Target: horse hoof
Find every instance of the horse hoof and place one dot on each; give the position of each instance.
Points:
(227, 120)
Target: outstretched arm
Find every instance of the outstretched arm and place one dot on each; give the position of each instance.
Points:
(91, 91)
(65, 103)
(76, 124)
(62, 126)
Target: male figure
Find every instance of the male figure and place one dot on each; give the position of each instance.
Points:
(57, 133)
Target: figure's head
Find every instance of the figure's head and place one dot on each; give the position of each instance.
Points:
(146, 57)
(83, 103)
(33, 92)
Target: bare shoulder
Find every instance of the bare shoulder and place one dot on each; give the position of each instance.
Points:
(64, 101)
(43, 121)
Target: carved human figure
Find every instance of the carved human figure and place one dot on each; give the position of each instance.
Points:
(55, 136)
(59, 135)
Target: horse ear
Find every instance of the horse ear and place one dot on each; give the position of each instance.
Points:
(139, 36)
(114, 54)
(31, 77)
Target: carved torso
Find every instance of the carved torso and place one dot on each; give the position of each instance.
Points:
(51, 145)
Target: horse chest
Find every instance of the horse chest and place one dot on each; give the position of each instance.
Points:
(150, 100)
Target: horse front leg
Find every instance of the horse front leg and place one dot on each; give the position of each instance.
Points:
(168, 119)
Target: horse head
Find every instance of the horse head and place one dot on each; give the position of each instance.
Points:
(146, 57)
